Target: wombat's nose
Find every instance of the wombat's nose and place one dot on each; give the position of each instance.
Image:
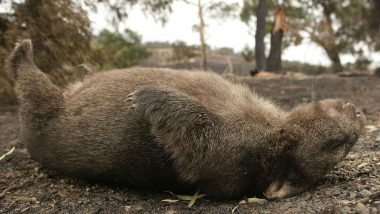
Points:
(359, 113)
(361, 117)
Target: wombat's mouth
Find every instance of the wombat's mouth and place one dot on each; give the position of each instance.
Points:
(282, 189)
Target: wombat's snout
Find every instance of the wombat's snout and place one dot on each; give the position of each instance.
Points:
(356, 111)
(360, 115)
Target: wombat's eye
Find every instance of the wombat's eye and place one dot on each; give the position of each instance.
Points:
(334, 144)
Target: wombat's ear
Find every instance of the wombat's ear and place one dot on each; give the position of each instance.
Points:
(332, 112)
(289, 136)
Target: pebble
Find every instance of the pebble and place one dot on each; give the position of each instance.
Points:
(344, 202)
(374, 210)
(361, 209)
(333, 192)
(353, 195)
(364, 193)
(344, 210)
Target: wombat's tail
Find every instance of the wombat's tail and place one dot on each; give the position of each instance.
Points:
(34, 88)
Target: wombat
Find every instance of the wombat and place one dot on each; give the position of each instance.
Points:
(168, 129)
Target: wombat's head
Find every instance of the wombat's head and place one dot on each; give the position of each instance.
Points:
(318, 135)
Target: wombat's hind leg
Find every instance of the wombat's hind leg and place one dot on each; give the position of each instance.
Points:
(37, 94)
(189, 131)
(23, 53)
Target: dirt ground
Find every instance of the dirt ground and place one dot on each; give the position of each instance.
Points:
(353, 187)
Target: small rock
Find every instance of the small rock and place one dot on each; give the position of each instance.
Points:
(353, 195)
(364, 193)
(361, 209)
(127, 208)
(374, 210)
(343, 210)
(343, 202)
(333, 192)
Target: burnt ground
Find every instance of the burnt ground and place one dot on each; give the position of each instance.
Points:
(353, 187)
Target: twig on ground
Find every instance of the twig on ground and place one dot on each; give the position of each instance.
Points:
(12, 187)
(8, 153)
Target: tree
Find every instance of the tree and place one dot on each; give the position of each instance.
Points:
(374, 23)
(258, 9)
(323, 33)
(215, 9)
(60, 31)
(201, 30)
(337, 27)
(117, 50)
(182, 53)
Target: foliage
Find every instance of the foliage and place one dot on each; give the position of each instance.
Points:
(222, 10)
(56, 28)
(225, 51)
(159, 9)
(60, 31)
(183, 53)
(115, 50)
(248, 54)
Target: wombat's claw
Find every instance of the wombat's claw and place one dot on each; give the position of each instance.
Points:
(130, 97)
(133, 107)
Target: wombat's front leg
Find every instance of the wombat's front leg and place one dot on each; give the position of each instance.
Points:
(190, 132)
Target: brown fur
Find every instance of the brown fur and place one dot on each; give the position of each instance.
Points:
(168, 129)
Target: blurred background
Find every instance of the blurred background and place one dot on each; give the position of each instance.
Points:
(235, 37)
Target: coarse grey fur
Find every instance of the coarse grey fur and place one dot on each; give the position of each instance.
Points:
(167, 129)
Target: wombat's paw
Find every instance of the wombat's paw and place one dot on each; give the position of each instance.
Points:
(149, 99)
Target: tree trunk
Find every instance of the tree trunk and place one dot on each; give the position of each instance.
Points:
(260, 34)
(336, 65)
(329, 42)
(203, 50)
(274, 62)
